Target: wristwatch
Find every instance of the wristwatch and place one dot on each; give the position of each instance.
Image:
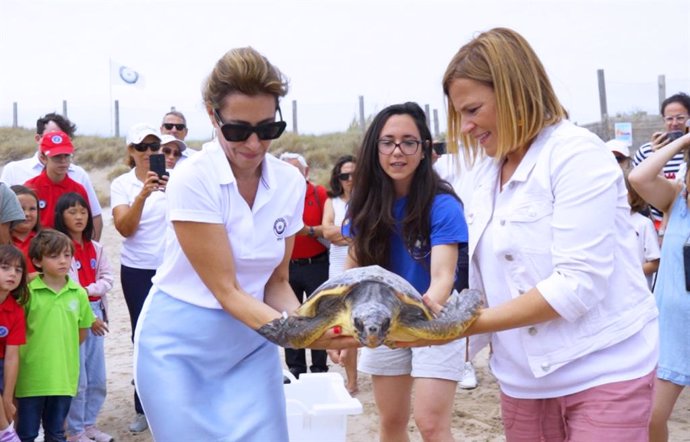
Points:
(311, 231)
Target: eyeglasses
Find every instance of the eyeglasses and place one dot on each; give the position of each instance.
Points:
(175, 153)
(141, 147)
(240, 132)
(178, 126)
(344, 176)
(407, 147)
(679, 118)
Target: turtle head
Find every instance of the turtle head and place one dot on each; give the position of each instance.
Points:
(371, 315)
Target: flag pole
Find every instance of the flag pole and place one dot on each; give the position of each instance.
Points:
(110, 93)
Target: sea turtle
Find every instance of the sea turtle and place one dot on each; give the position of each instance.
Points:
(376, 307)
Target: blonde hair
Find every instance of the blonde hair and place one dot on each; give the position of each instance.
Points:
(245, 71)
(525, 100)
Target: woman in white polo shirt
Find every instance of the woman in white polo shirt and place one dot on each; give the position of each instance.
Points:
(235, 211)
(138, 203)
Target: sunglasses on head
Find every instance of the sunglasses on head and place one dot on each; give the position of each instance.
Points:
(141, 147)
(241, 132)
(344, 176)
(178, 126)
(175, 153)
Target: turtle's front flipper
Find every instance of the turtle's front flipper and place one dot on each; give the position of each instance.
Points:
(458, 314)
(293, 331)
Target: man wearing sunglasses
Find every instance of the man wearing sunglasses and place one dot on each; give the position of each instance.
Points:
(19, 172)
(174, 123)
(308, 263)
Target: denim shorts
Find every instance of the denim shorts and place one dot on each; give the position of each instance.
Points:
(436, 361)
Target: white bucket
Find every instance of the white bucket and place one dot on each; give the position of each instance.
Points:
(317, 407)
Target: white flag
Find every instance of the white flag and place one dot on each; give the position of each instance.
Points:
(124, 75)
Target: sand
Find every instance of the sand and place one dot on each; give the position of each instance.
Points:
(476, 415)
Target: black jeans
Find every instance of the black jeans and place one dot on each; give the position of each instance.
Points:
(136, 284)
(304, 279)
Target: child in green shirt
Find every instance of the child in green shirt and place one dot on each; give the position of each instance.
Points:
(58, 316)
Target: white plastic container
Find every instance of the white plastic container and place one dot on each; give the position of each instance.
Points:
(317, 407)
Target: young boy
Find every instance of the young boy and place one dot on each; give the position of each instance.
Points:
(56, 152)
(58, 316)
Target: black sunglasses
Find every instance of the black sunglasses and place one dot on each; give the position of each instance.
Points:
(240, 132)
(141, 147)
(178, 126)
(344, 176)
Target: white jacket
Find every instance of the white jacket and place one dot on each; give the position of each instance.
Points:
(567, 231)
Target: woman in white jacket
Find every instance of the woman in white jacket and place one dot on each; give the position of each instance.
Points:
(574, 328)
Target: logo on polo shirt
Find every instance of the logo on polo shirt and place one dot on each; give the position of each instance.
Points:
(4, 331)
(78, 265)
(41, 204)
(93, 263)
(73, 305)
(279, 227)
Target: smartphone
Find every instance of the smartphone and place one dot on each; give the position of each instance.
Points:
(157, 164)
(439, 147)
(674, 135)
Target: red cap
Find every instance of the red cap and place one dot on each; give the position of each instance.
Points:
(56, 143)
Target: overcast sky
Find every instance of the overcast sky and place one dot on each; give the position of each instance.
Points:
(332, 51)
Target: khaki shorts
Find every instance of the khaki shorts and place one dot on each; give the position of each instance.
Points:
(436, 361)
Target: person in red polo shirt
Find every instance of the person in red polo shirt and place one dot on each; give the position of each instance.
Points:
(308, 262)
(56, 152)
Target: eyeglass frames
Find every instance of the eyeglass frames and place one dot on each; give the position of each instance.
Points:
(240, 132)
(679, 118)
(168, 151)
(407, 147)
(141, 147)
(178, 126)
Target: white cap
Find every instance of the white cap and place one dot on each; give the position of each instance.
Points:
(167, 138)
(619, 146)
(138, 132)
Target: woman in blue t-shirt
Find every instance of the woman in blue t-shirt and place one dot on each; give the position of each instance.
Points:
(407, 220)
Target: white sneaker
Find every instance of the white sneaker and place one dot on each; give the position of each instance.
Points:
(468, 380)
(97, 435)
(139, 424)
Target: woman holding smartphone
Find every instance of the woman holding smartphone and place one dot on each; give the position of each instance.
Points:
(138, 204)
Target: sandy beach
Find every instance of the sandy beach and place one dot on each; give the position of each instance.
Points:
(476, 415)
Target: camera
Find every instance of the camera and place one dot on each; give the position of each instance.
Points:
(686, 265)
(674, 135)
(439, 147)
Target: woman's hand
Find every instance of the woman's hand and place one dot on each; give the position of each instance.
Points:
(332, 339)
(433, 305)
(659, 140)
(152, 183)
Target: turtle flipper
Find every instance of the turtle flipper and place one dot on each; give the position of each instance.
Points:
(294, 331)
(458, 314)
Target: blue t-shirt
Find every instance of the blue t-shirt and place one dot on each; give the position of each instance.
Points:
(448, 226)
